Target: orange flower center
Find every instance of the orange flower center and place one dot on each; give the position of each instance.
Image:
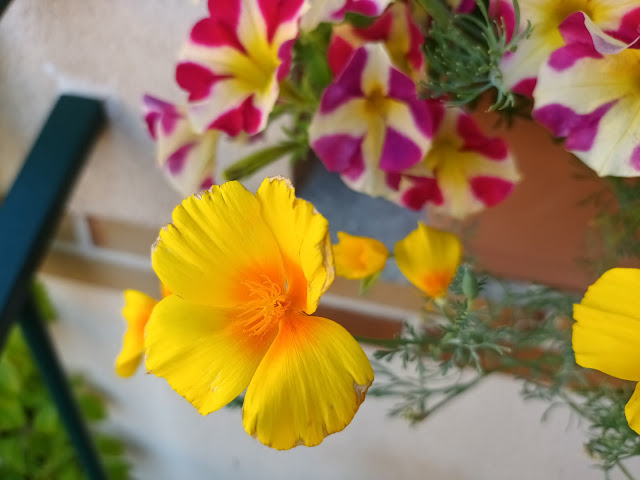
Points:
(268, 305)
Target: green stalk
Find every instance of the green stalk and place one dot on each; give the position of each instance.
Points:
(260, 159)
(624, 470)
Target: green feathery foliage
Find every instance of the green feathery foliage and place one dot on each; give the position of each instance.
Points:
(525, 332)
(463, 54)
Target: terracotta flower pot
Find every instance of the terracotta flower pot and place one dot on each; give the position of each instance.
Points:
(539, 233)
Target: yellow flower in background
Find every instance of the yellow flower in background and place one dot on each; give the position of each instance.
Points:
(248, 272)
(137, 310)
(606, 335)
(358, 257)
(429, 258)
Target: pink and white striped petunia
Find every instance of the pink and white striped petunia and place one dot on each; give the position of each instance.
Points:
(233, 61)
(333, 11)
(464, 171)
(619, 18)
(370, 122)
(186, 157)
(589, 92)
(395, 29)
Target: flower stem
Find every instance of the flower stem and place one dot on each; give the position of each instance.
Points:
(624, 470)
(254, 162)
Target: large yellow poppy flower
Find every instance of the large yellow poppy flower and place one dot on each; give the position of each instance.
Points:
(247, 273)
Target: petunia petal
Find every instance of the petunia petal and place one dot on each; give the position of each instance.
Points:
(187, 158)
(520, 68)
(464, 172)
(208, 355)
(137, 310)
(232, 62)
(592, 100)
(309, 384)
(606, 335)
(335, 10)
(429, 259)
(319, 11)
(358, 257)
(632, 410)
(218, 240)
(303, 237)
(370, 122)
(395, 29)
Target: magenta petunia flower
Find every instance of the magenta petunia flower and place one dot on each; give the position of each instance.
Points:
(397, 32)
(589, 93)
(619, 18)
(464, 172)
(233, 61)
(186, 157)
(370, 122)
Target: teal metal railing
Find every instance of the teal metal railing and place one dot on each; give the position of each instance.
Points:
(29, 216)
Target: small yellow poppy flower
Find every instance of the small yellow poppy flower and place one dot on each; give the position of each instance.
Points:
(137, 310)
(248, 272)
(429, 258)
(606, 335)
(358, 257)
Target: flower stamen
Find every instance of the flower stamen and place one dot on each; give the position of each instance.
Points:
(269, 306)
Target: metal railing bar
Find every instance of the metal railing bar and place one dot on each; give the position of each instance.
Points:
(35, 334)
(32, 209)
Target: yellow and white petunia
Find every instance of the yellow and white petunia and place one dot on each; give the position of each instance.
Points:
(464, 171)
(606, 335)
(187, 158)
(370, 122)
(429, 258)
(248, 272)
(233, 60)
(520, 68)
(588, 92)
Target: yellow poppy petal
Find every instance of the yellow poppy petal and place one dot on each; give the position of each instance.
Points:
(616, 291)
(208, 355)
(303, 237)
(358, 257)
(606, 335)
(429, 259)
(137, 310)
(216, 241)
(632, 410)
(309, 384)
(164, 290)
